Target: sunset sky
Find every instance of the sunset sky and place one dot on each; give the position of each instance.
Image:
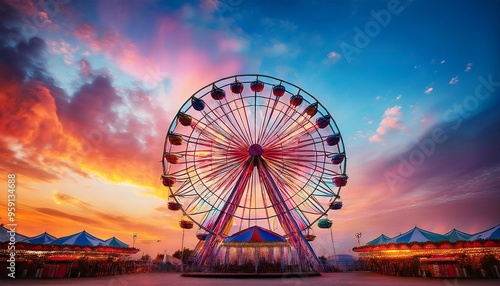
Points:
(88, 90)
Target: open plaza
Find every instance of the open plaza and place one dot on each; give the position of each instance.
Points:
(330, 279)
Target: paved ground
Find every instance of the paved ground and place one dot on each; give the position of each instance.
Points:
(326, 279)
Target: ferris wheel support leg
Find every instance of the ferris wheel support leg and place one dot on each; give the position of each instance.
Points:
(298, 240)
(210, 248)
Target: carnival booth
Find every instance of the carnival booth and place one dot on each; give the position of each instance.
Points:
(419, 252)
(256, 250)
(77, 255)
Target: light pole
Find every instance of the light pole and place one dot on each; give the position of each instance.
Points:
(134, 237)
(182, 251)
(358, 236)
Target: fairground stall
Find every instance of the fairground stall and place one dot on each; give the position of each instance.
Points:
(420, 252)
(77, 255)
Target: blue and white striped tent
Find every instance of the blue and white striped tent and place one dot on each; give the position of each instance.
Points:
(491, 233)
(82, 238)
(456, 235)
(417, 235)
(43, 238)
(5, 235)
(113, 241)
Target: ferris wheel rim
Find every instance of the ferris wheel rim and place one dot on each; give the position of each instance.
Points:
(183, 108)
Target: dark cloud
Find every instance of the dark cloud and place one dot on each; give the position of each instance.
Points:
(449, 152)
(92, 104)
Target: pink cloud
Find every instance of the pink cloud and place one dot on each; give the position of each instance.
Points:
(391, 120)
(393, 111)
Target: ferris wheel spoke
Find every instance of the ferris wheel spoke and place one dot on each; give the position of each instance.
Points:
(289, 123)
(243, 132)
(278, 123)
(292, 132)
(266, 118)
(223, 181)
(216, 134)
(244, 119)
(291, 168)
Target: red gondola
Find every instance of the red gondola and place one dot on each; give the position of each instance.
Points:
(340, 181)
(168, 180)
(184, 119)
(201, 234)
(236, 87)
(173, 205)
(278, 90)
(218, 93)
(312, 109)
(186, 224)
(172, 157)
(296, 100)
(257, 86)
(174, 138)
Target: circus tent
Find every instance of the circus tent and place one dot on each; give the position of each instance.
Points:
(5, 235)
(255, 234)
(491, 233)
(417, 235)
(379, 240)
(113, 241)
(43, 238)
(81, 238)
(453, 254)
(456, 235)
(256, 250)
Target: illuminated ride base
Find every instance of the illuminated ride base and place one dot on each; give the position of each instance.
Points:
(254, 162)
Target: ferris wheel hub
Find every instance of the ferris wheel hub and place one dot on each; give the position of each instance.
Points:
(255, 150)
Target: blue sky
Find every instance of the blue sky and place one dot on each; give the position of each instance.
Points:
(88, 81)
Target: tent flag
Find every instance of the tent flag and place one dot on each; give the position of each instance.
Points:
(43, 238)
(113, 241)
(255, 234)
(456, 235)
(491, 233)
(82, 238)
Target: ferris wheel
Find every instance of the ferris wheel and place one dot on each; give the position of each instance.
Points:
(253, 150)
